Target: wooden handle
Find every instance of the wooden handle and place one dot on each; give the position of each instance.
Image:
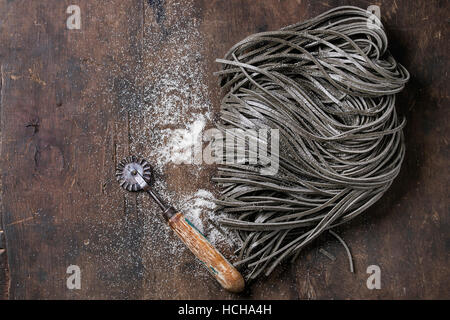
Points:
(217, 265)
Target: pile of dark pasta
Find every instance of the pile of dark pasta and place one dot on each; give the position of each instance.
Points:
(328, 84)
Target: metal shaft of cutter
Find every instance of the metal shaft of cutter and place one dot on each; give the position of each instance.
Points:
(158, 200)
(145, 186)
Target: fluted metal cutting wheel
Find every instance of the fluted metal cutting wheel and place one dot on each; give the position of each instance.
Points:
(124, 171)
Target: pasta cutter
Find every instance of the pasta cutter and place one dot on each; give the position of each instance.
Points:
(135, 174)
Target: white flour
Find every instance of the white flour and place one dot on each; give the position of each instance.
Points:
(175, 111)
(199, 209)
(182, 144)
(162, 95)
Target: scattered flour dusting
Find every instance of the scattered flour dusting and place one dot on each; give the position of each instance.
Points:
(182, 144)
(157, 87)
(174, 112)
(199, 209)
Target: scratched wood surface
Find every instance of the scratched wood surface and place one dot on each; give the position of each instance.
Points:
(69, 111)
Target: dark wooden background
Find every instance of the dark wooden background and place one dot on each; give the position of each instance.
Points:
(63, 129)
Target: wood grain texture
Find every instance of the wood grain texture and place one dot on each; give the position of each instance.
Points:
(70, 110)
(227, 275)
